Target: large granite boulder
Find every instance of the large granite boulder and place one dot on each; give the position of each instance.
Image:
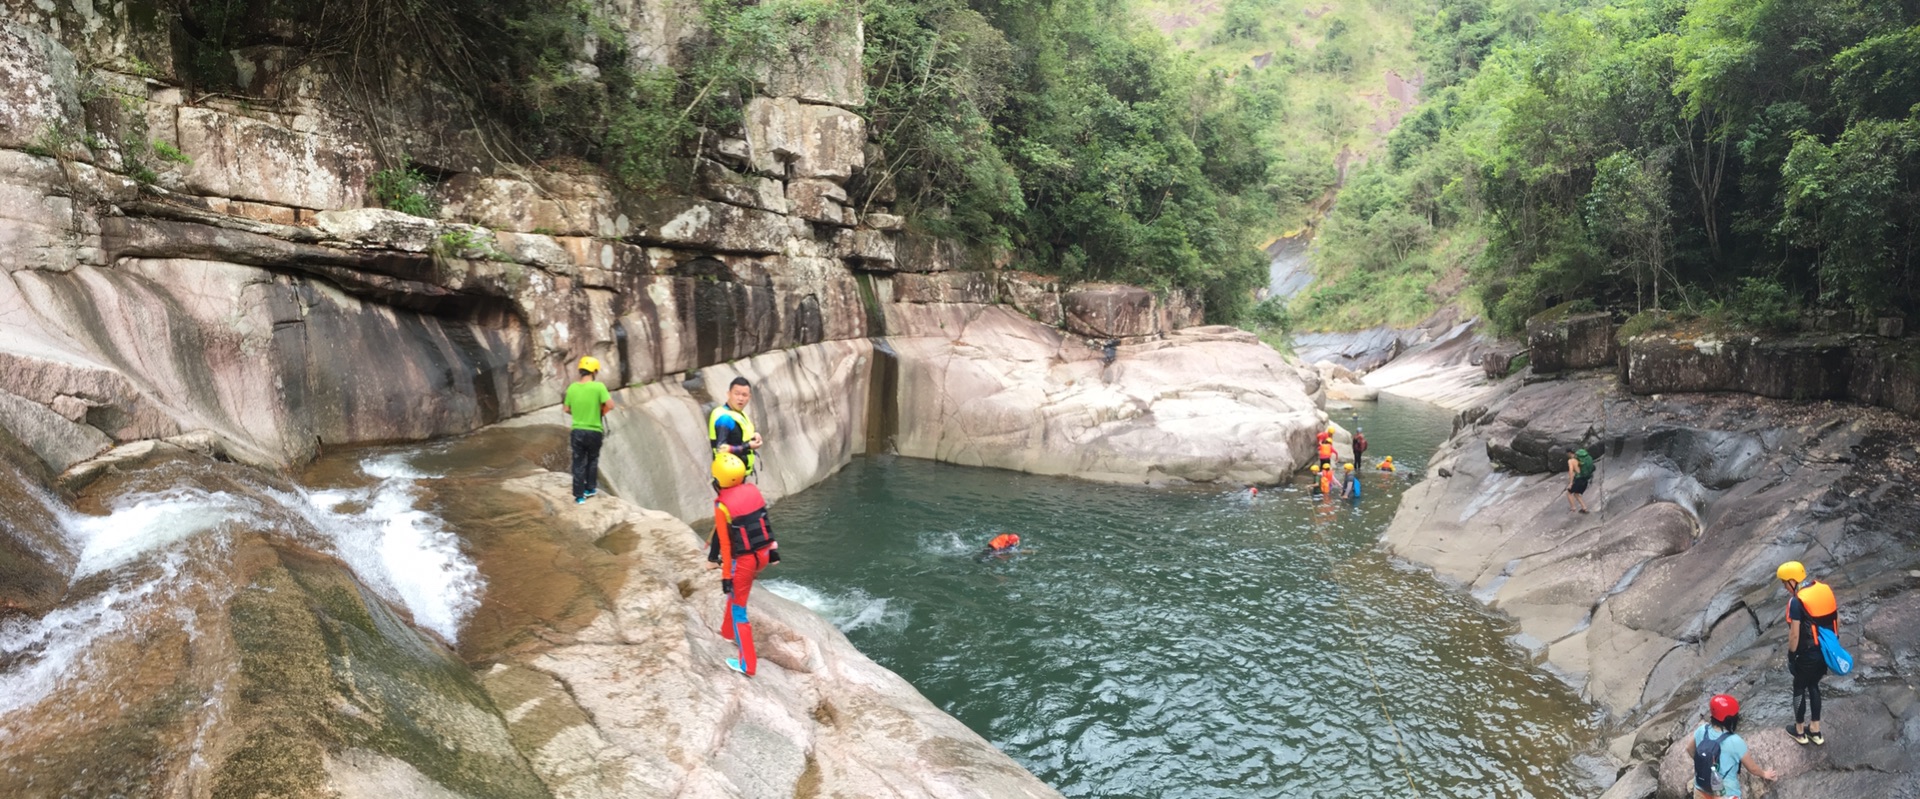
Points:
(986, 386)
(1559, 341)
(1111, 311)
(810, 404)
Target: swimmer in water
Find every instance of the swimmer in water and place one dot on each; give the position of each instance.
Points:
(1002, 545)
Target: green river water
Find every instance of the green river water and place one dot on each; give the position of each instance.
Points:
(1187, 641)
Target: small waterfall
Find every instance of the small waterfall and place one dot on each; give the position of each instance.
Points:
(155, 555)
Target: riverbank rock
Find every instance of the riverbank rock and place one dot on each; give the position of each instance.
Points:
(1441, 369)
(984, 386)
(1664, 594)
(604, 659)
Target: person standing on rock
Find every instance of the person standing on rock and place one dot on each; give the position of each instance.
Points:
(1360, 446)
(1718, 753)
(730, 431)
(588, 403)
(1579, 473)
(1810, 606)
(742, 546)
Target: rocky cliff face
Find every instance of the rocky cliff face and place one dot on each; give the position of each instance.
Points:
(1664, 594)
(233, 296)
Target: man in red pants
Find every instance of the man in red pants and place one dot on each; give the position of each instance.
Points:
(742, 545)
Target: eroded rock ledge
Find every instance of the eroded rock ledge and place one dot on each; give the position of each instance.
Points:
(1664, 594)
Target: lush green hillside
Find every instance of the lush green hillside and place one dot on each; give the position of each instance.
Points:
(1742, 161)
(1325, 62)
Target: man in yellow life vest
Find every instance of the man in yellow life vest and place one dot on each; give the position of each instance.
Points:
(728, 428)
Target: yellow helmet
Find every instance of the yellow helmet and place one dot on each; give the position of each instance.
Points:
(1314, 468)
(1349, 467)
(1791, 570)
(729, 470)
(590, 364)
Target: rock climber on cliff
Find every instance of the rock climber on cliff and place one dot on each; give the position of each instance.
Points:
(730, 431)
(1579, 472)
(742, 546)
(588, 403)
(1810, 608)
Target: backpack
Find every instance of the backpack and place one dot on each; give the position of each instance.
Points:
(1706, 763)
(1586, 462)
(1839, 661)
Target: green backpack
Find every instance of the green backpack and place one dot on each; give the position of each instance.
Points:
(1586, 462)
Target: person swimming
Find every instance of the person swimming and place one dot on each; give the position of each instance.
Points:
(1003, 544)
(1386, 464)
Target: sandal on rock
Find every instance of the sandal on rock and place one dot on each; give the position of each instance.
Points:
(1798, 736)
(1817, 740)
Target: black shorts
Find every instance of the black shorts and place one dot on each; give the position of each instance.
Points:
(1579, 485)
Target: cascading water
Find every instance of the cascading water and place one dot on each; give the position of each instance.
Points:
(164, 559)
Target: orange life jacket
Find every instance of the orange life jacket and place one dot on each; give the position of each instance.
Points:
(1817, 598)
(1326, 451)
(1004, 541)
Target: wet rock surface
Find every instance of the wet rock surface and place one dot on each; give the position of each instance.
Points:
(1664, 593)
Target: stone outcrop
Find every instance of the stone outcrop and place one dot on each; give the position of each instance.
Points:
(1664, 594)
(586, 691)
(1558, 341)
(1869, 370)
(1441, 368)
(982, 385)
(590, 668)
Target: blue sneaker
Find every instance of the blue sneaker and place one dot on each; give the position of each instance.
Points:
(591, 492)
(579, 500)
(734, 664)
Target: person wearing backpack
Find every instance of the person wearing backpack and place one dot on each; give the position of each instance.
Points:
(1718, 754)
(1579, 471)
(1810, 606)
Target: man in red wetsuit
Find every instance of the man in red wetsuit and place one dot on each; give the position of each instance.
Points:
(742, 546)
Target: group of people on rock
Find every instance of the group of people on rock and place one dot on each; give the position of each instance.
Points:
(742, 544)
(1329, 463)
(1718, 752)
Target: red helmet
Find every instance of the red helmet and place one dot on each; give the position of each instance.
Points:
(1723, 707)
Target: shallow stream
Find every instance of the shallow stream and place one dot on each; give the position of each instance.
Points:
(1187, 642)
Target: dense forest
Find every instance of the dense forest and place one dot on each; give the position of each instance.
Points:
(1750, 162)
(1062, 136)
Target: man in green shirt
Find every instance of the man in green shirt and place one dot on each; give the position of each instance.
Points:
(587, 403)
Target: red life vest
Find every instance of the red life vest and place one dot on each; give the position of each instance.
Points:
(747, 528)
(1004, 541)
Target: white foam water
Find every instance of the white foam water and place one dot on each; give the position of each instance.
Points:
(53, 650)
(849, 611)
(144, 523)
(146, 547)
(406, 555)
